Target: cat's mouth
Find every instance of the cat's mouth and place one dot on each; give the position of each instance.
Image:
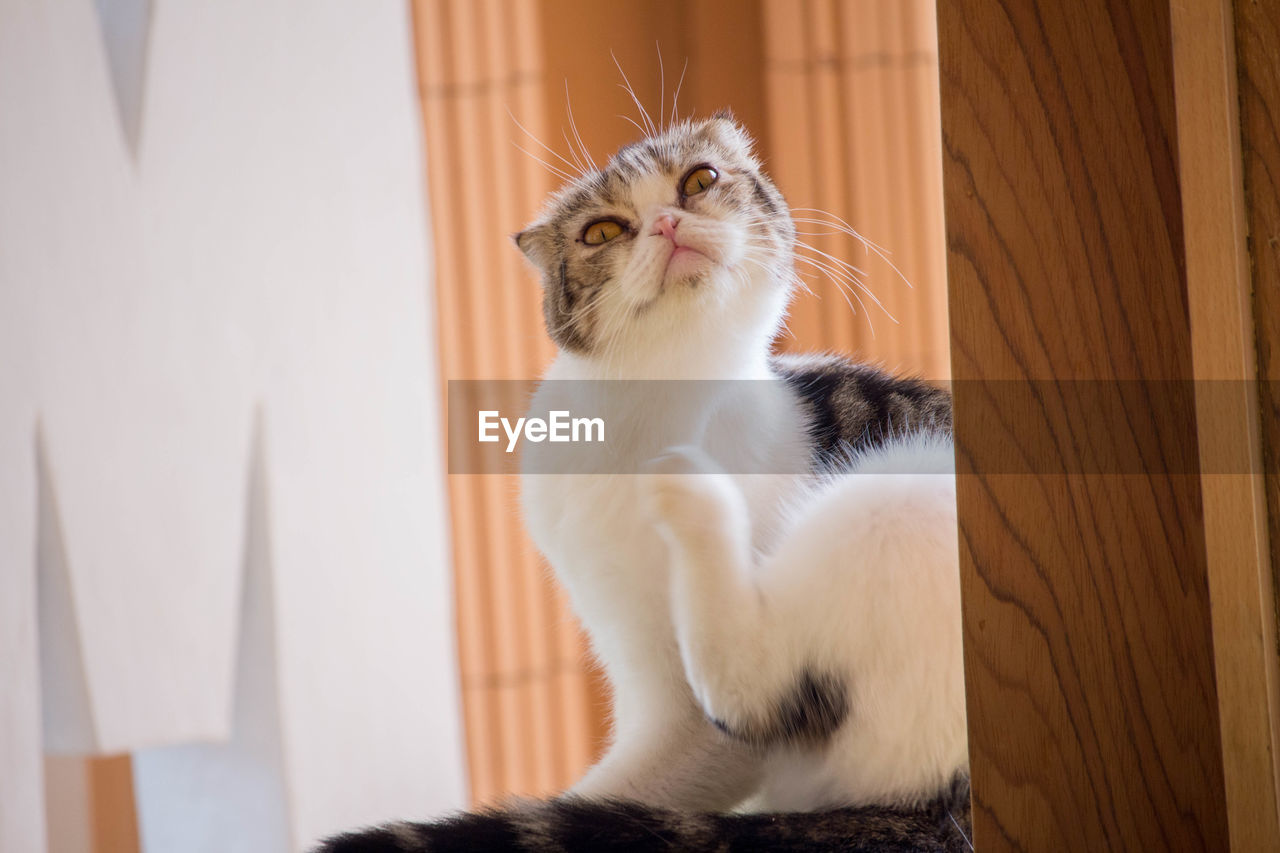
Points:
(684, 262)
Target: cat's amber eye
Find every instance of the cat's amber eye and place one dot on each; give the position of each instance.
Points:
(698, 180)
(601, 231)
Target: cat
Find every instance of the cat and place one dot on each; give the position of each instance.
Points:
(767, 567)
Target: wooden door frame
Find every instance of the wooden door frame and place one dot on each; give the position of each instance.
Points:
(1119, 624)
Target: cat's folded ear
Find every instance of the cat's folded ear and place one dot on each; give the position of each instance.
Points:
(535, 243)
(724, 127)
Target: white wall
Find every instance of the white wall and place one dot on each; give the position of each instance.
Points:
(260, 249)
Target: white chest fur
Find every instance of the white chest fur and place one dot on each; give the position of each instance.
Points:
(587, 518)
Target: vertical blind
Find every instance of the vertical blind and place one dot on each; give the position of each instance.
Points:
(842, 96)
(531, 712)
(852, 104)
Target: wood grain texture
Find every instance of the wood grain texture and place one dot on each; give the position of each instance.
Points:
(1227, 420)
(1093, 713)
(1257, 40)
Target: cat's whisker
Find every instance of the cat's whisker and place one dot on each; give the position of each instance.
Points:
(785, 328)
(662, 82)
(626, 85)
(827, 264)
(857, 271)
(870, 246)
(544, 145)
(841, 226)
(586, 155)
(836, 274)
(581, 166)
(841, 280)
(558, 172)
(760, 261)
(573, 152)
(632, 121)
(851, 275)
(846, 276)
(607, 337)
(832, 233)
(675, 100)
(833, 219)
(844, 292)
(609, 334)
(607, 340)
(801, 284)
(959, 829)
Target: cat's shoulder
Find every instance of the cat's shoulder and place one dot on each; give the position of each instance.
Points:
(829, 372)
(853, 406)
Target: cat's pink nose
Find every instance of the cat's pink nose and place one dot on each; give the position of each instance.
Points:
(666, 225)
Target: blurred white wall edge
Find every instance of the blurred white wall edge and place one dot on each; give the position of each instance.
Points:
(263, 613)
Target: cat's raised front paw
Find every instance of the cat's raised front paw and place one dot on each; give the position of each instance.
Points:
(682, 459)
(684, 490)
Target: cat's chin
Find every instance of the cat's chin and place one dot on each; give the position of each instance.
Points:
(689, 270)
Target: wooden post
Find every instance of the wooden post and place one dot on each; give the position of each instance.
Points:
(1225, 361)
(1116, 599)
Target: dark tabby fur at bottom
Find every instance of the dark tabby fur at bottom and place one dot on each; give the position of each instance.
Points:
(575, 825)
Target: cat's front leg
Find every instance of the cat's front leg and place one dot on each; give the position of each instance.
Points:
(743, 659)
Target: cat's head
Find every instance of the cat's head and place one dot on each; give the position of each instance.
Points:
(679, 234)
